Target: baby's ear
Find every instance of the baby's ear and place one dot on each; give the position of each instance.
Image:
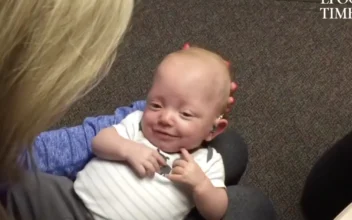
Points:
(219, 127)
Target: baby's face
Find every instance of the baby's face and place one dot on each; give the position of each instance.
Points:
(181, 107)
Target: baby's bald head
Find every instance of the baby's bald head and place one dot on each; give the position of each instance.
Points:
(201, 71)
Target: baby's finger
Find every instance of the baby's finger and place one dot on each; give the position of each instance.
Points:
(155, 164)
(186, 155)
(175, 178)
(140, 170)
(177, 170)
(159, 159)
(150, 173)
(149, 168)
(180, 163)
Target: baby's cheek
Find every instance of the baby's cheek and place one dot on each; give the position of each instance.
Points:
(193, 138)
(147, 116)
(190, 130)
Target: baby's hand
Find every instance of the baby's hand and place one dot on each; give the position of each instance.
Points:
(144, 160)
(187, 171)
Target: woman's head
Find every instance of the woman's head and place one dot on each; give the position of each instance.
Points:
(52, 52)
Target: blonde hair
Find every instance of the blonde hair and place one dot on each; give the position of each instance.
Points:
(52, 52)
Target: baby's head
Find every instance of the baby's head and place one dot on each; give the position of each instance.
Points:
(187, 100)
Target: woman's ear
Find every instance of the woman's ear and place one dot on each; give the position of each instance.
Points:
(219, 126)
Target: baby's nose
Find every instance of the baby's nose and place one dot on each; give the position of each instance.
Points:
(166, 117)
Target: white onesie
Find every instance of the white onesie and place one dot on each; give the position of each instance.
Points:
(111, 190)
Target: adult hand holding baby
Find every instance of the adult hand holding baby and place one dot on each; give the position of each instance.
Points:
(144, 160)
(231, 99)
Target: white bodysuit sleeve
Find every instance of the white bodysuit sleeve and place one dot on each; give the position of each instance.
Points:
(129, 127)
(215, 170)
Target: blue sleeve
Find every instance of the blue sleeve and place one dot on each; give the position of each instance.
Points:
(65, 151)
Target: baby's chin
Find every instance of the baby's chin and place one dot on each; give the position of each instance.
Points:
(168, 148)
(169, 151)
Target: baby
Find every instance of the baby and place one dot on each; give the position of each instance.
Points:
(156, 164)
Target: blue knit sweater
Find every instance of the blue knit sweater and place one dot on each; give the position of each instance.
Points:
(66, 151)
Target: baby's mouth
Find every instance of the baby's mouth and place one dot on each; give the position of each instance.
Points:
(164, 133)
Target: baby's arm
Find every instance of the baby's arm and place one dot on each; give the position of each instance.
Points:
(210, 201)
(206, 182)
(117, 143)
(109, 145)
(210, 196)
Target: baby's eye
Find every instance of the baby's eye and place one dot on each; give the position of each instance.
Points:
(186, 114)
(155, 105)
